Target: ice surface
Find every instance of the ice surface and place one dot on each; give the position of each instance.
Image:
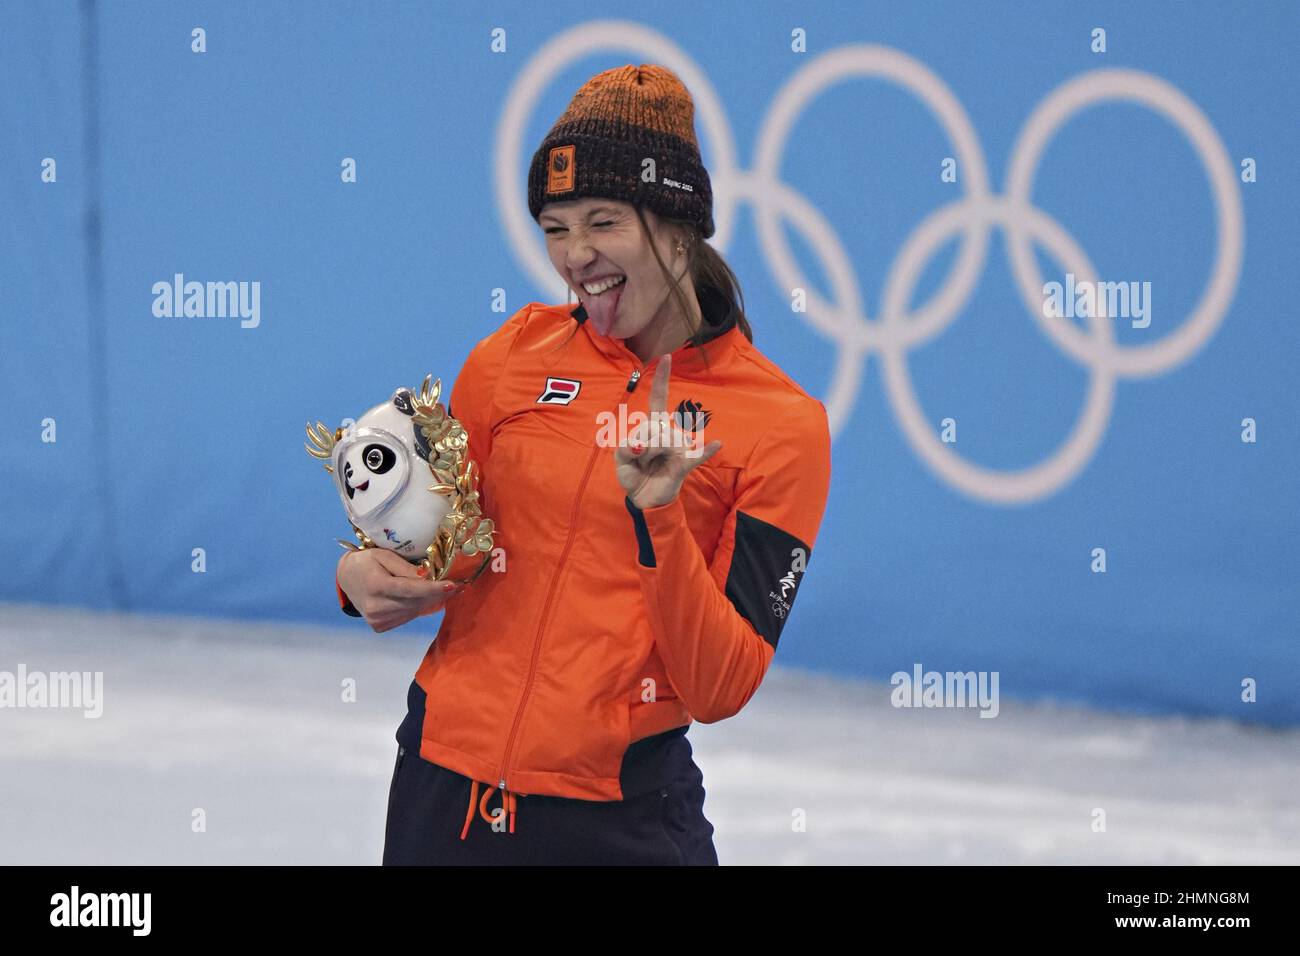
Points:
(247, 722)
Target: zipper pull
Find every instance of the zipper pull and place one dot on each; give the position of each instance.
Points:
(502, 784)
(631, 382)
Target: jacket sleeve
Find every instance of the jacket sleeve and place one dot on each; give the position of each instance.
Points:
(471, 401)
(717, 624)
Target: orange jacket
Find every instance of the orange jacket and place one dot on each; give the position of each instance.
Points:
(608, 623)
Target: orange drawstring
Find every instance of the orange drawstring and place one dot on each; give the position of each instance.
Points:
(469, 812)
(508, 805)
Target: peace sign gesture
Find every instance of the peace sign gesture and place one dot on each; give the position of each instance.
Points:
(655, 458)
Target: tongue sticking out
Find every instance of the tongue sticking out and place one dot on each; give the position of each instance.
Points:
(600, 308)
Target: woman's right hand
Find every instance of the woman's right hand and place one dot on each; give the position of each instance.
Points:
(387, 589)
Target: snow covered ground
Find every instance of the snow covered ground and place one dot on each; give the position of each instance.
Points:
(249, 724)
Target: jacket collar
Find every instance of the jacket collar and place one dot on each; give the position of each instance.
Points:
(719, 314)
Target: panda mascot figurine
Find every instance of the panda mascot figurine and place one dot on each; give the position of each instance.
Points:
(407, 483)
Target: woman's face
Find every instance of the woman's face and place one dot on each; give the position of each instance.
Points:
(591, 241)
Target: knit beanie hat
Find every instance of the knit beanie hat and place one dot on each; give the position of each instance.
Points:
(614, 123)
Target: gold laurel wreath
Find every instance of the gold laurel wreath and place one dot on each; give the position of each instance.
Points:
(464, 533)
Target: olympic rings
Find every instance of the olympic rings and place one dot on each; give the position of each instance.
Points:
(843, 319)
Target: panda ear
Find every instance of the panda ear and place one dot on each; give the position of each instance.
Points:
(402, 401)
(422, 445)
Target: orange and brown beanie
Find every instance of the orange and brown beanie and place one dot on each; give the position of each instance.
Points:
(614, 123)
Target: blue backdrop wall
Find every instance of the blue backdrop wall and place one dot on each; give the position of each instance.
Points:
(917, 169)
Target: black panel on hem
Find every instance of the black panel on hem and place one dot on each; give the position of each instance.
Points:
(653, 762)
(411, 730)
(648, 764)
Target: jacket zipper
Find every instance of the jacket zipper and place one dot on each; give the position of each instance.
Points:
(546, 610)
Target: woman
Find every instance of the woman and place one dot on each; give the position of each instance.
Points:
(650, 564)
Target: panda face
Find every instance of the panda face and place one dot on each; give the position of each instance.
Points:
(378, 460)
(373, 471)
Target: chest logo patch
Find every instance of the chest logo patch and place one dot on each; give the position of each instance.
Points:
(559, 391)
(691, 416)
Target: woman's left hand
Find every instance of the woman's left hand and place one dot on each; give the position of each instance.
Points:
(654, 460)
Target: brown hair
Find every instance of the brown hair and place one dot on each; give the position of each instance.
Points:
(707, 271)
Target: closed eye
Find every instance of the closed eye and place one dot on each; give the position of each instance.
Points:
(554, 229)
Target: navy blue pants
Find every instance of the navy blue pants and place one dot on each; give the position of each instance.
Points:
(663, 826)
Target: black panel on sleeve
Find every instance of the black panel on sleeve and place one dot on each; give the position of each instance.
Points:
(765, 572)
(644, 546)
